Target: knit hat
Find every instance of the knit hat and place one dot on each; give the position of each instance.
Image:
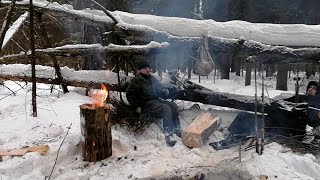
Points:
(143, 64)
(313, 83)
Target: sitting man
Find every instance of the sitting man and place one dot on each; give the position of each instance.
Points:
(145, 92)
(284, 118)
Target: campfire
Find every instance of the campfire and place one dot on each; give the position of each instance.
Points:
(96, 127)
(98, 96)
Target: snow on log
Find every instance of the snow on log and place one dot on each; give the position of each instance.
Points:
(64, 53)
(267, 33)
(197, 133)
(186, 34)
(45, 74)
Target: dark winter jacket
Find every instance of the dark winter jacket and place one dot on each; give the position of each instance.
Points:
(143, 89)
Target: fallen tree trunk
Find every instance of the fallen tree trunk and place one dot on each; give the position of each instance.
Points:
(68, 52)
(111, 87)
(197, 93)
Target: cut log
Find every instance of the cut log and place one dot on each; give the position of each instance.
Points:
(95, 132)
(22, 151)
(196, 134)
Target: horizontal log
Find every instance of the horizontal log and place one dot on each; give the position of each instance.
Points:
(45, 74)
(197, 93)
(69, 53)
(111, 87)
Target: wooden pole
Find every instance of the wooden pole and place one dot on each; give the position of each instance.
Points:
(96, 132)
(33, 62)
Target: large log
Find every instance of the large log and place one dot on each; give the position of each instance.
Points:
(85, 84)
(95, 132)
(68, 52)
(198, 93)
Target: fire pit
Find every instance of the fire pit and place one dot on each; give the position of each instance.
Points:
(96, 127)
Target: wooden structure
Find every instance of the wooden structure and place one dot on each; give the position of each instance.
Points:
(95, 132)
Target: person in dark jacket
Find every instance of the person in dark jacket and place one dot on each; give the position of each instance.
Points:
(285, 117)
(146, 94)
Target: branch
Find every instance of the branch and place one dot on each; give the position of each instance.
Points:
(55, 162)
(105, 11)
(6, 22)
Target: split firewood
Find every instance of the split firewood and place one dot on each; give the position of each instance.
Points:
(22, 151)
(197, 133)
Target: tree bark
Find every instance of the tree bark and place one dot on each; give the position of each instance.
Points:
(225, 59)
(96, 132)
(80, 83)
(282, 77)
(248, 73)
(33, 62)
(197, 93)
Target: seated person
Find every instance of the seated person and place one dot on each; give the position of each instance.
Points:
(284, 118)
(145, 92)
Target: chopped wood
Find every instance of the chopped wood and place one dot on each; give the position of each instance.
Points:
(22, 151)
(197, 133)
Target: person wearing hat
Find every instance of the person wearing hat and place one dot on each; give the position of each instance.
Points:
(145, 93)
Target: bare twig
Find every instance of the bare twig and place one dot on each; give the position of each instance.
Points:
(55, 162)
(2, 84)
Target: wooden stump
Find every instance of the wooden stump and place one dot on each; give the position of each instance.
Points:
(95, 132)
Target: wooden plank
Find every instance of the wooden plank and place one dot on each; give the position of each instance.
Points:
(22, 151)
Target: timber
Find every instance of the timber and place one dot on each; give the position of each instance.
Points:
(198, 93)
(64, 54)
(86, 84)
(96, 132)
(266, 53)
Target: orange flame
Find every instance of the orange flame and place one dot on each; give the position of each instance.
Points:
(98, 96)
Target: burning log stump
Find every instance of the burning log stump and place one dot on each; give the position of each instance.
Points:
(96, 132)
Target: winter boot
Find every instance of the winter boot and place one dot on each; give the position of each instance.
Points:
(169, 140)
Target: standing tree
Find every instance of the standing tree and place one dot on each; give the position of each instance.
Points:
(282, 77)
(33, 62)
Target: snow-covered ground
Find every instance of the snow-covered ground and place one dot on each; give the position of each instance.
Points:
(135, 156)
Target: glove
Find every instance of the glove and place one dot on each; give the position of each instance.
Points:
(165, 92)
(138, 110)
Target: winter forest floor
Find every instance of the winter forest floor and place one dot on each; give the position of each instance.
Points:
(135, 156)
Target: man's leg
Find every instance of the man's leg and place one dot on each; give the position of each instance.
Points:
(164, 110)
(175, 117)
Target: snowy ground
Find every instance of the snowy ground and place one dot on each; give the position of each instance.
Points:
(151, 157)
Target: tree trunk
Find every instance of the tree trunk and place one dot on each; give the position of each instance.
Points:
(225, 65)
(248, 73)
(282, 77)
(237, 65)
(33, 62)
(96, 132)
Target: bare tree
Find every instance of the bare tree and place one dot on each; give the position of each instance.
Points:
(33, 62)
